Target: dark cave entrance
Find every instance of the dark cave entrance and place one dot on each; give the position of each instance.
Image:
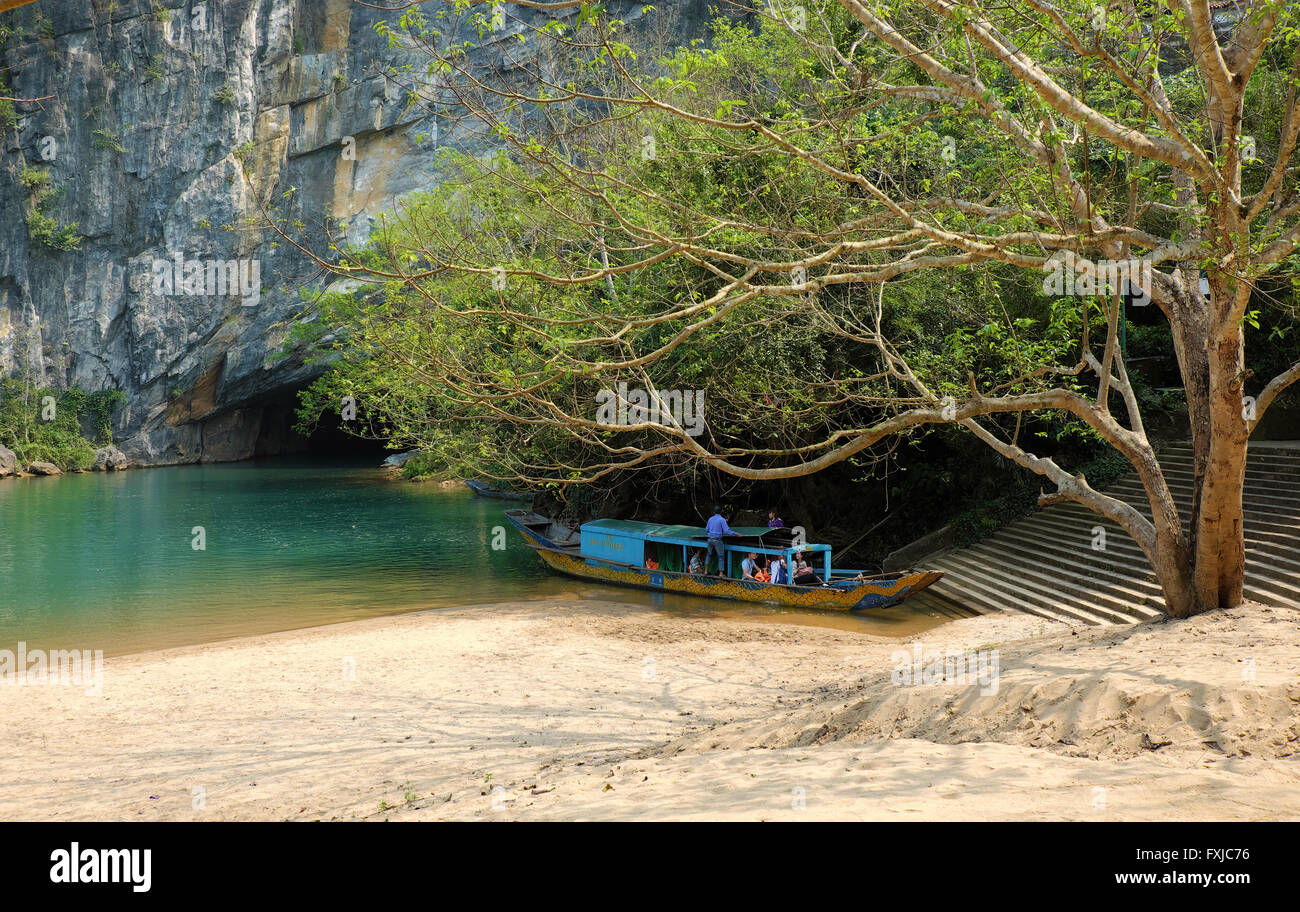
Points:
(277, 435)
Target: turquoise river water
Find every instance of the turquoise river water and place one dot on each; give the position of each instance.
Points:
(109, 560)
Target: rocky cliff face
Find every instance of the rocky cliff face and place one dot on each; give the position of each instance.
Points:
(146, 110)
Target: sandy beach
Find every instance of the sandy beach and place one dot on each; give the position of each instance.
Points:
(593, 710)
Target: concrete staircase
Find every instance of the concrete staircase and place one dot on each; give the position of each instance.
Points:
(1045, 564)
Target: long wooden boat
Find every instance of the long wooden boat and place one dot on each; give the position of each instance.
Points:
(615, 551)
(483, 489)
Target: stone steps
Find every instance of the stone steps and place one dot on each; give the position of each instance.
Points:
(1045, 564)
(939, 605)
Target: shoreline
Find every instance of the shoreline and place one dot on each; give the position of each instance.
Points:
(586, 710)
(720, 611)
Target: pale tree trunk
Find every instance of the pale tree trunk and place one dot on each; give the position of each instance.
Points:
(1220, 530)
(1211, 353)
(1220, 534)
(1189, 323)
(1171, 558)
(1210, 345)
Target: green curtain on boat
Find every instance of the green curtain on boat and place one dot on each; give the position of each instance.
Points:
(670, 558)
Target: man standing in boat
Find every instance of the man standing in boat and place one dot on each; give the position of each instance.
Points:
(716, 528)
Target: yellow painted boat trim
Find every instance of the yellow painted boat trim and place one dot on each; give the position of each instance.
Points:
(866, 595)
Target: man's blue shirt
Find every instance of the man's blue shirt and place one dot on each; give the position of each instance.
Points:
(717, 526)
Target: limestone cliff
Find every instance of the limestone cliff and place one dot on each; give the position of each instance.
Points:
(146, 110)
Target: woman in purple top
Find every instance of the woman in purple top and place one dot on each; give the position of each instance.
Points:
(774, 521)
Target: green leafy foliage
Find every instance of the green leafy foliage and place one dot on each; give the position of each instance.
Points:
(43, 227)
(107, 139)
(42, 424)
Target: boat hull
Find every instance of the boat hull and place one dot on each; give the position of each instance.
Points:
(864, 595)
(877, 593)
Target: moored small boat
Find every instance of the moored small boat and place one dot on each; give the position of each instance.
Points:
(483, 489)
(616, 551)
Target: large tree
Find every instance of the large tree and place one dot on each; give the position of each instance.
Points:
(874, 144)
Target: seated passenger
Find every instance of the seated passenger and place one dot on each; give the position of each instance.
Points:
(749, 566)
(779, 574)
(697, 563)
(651, 563)
(806, 576)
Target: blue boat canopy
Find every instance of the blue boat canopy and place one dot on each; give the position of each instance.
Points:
(623, 541)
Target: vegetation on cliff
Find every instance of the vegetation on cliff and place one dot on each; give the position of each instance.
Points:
(63, 427)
